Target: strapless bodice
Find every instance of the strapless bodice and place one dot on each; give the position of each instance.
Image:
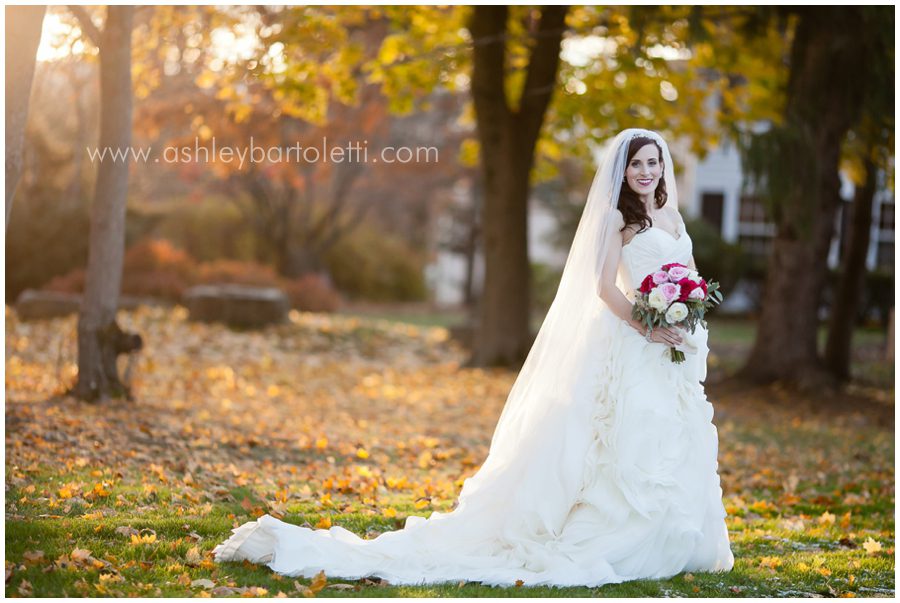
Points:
(647, 251)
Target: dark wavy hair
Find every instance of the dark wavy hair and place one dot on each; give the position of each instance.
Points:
(630, 203)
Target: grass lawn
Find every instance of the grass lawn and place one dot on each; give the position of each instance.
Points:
(343, 420)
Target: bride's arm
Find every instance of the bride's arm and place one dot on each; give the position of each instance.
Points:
(692, 265)
(606, 288)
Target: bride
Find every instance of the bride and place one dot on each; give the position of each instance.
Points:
(603, 465)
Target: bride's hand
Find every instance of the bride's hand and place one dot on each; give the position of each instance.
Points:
(666, 335)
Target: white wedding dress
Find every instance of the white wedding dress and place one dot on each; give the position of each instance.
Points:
(631, 491)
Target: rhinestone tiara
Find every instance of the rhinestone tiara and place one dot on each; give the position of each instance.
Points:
(646, 134)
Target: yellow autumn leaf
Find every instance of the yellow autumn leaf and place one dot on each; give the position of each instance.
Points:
(318, 582)
(770, 562)
(324, 523)
(143, 539)
(845, 520)
(872, 546)
(389, 512)
(425, 460)
(827, 517)
(362, 453)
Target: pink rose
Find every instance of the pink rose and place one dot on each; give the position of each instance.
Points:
(660, 277)
(668, 266)
(697, 293)
(676, 273)
(670, 291)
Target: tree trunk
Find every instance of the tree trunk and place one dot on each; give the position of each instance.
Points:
(100, 340)
(852, 279)
(508, 137)
(294, 261)
(23, 36)
(820, 111)
(472, 237)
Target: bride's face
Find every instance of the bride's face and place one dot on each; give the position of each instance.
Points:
(644, 170)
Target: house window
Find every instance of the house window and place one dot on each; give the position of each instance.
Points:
(752, 210)
(885, 256)
(886, 219)
(757, 246)
(711, 209)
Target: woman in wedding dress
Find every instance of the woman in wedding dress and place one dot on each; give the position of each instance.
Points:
(603, 465)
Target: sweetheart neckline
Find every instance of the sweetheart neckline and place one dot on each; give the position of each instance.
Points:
(671, 236)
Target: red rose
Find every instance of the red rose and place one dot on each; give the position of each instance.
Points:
(687, 285)
(647, 284)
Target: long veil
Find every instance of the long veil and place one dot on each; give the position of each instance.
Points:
(538, 426)
(516, 504)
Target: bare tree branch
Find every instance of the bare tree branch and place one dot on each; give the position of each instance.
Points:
(87, 25)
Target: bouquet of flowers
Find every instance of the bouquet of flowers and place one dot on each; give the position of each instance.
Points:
(674, 296)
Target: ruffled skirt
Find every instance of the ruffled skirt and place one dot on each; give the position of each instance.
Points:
(649, 504)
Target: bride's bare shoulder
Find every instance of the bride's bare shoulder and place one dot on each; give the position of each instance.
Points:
(628, 231)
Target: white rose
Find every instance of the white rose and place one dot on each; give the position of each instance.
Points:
(676, 313)
(657, 300)
(694, 276)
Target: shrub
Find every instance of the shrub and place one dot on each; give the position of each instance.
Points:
(152, 268)
(377, 266)
(237, 273)
(71, 282)
(312, 293)
(208, 227)
(151, 255)
(47, 237)
(716, 258)
(156, 268)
